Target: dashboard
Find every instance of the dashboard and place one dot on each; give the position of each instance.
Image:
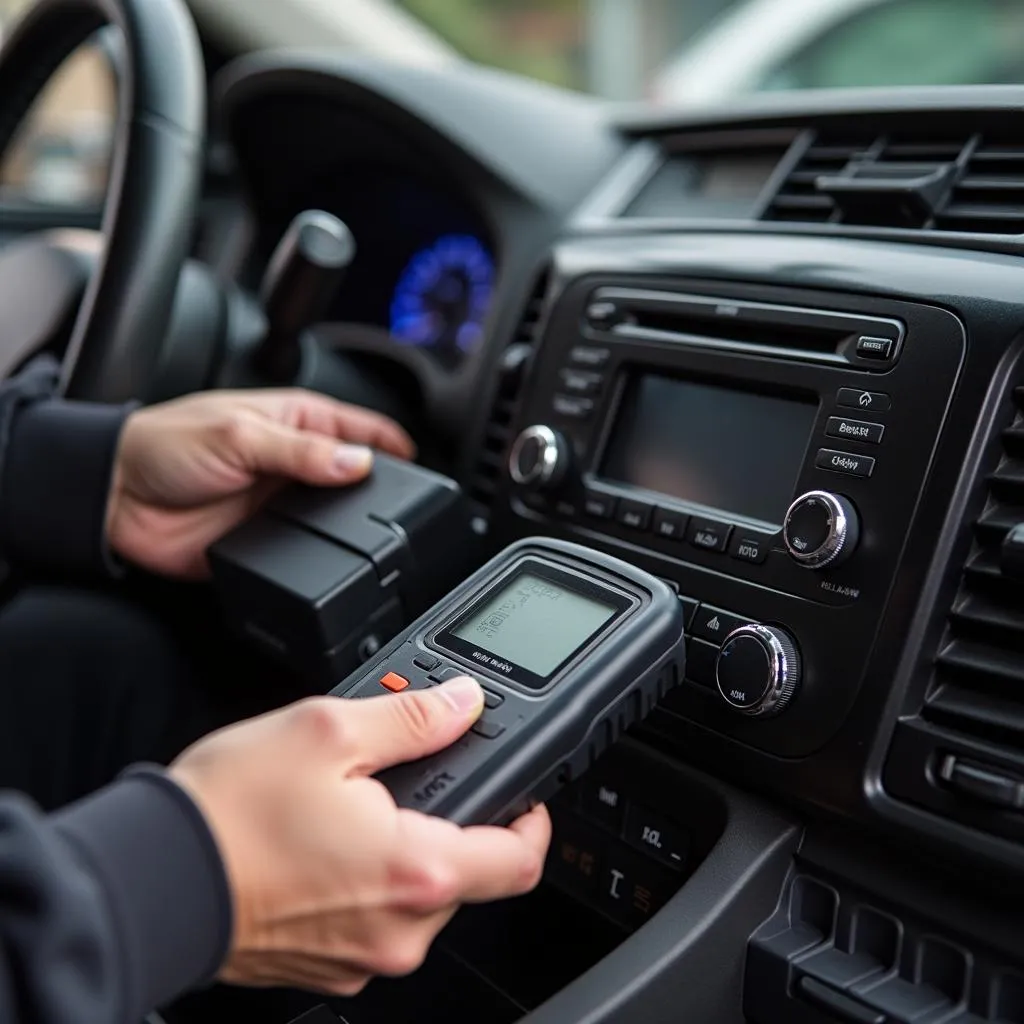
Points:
(424, 269)
(771, 354)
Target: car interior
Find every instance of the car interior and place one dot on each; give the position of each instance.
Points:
(770, 353)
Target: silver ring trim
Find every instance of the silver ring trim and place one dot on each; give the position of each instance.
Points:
(832, 547)
(784, 668)
(547, 463)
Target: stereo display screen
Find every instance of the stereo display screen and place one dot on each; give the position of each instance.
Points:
(730, 450)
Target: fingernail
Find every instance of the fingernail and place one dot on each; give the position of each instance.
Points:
(463, 694)
(352, 458)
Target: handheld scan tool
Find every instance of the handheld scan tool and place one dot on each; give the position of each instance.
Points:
(571, 646)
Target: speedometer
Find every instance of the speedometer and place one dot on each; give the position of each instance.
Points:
(442, 297)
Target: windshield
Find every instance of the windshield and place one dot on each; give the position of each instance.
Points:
(678, 53)
(694, 51)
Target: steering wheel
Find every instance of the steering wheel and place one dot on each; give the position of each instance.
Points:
(116, 341)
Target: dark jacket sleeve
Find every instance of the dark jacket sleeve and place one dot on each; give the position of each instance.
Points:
(109, 908)
(56, 461)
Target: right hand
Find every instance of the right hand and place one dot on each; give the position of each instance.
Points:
(331, 882)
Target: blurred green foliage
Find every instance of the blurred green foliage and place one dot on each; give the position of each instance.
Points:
(539, 38)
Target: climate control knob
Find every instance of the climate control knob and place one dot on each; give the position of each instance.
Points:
(758, 670)
(539, 458)
(821, 530)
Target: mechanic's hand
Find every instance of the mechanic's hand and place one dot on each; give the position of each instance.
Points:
(189, 470)
(332, 884)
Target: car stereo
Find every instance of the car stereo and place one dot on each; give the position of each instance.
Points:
(764, 450)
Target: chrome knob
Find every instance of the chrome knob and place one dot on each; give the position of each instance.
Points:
(821, 530)
(539, 458)
(758, 670)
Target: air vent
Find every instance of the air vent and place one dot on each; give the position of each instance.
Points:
(978, 687)
(511, 372)
(989, 196)
(959, 182)
(798, 199)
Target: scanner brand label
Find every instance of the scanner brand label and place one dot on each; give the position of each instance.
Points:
(490, 661)
(438, 784)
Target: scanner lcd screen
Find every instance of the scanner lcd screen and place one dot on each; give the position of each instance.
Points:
(534, 623)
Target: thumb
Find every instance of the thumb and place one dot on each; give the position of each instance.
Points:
(389, 730)
(275, 449)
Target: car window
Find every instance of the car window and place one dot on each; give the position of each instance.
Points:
(61, 155)
(913, 42)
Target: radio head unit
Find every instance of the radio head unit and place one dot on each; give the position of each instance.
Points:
(764, 450)
(743, 449)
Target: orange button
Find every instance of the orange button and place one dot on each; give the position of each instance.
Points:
(394, 682)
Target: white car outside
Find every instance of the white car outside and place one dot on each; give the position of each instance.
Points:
(791, 44)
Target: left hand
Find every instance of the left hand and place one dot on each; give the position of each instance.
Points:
(189, 470)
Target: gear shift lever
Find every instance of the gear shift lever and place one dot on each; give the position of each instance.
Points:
(303, 275)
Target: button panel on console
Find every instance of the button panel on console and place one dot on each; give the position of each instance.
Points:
(613, 852)
(749, 547)
(669, 524)
(634, 514)
(713, 624)
(572, 407)
(709, 534)
(845, 462)
(581, 382)
(855, 430)
(866, 401)
(598, 505)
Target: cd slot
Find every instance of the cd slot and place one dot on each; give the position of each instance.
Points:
(740, 332)
(781, 331)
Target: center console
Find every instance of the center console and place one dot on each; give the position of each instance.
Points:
(762, 449)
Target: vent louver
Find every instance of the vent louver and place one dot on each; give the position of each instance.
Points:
(511, 372)
(989, 195)
(798, 199)
(962, 182)
(978, 686)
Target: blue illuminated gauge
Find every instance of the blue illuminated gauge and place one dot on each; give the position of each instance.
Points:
(441, 299)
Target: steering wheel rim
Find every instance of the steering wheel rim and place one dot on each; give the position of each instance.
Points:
(155, 177)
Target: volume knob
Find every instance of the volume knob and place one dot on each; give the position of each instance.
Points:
(821, 529)
(539, 458)
(758, 670)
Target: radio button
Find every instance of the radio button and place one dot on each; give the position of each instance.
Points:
(746, 547)
(709, 534)
(572, 407)
(845, 462)
(855, 430)
(668, 524)
(581, 382)
(587, 355)
(634, 514)
(866, 401)
(598, 506)
(714, 624)
(875, 348)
